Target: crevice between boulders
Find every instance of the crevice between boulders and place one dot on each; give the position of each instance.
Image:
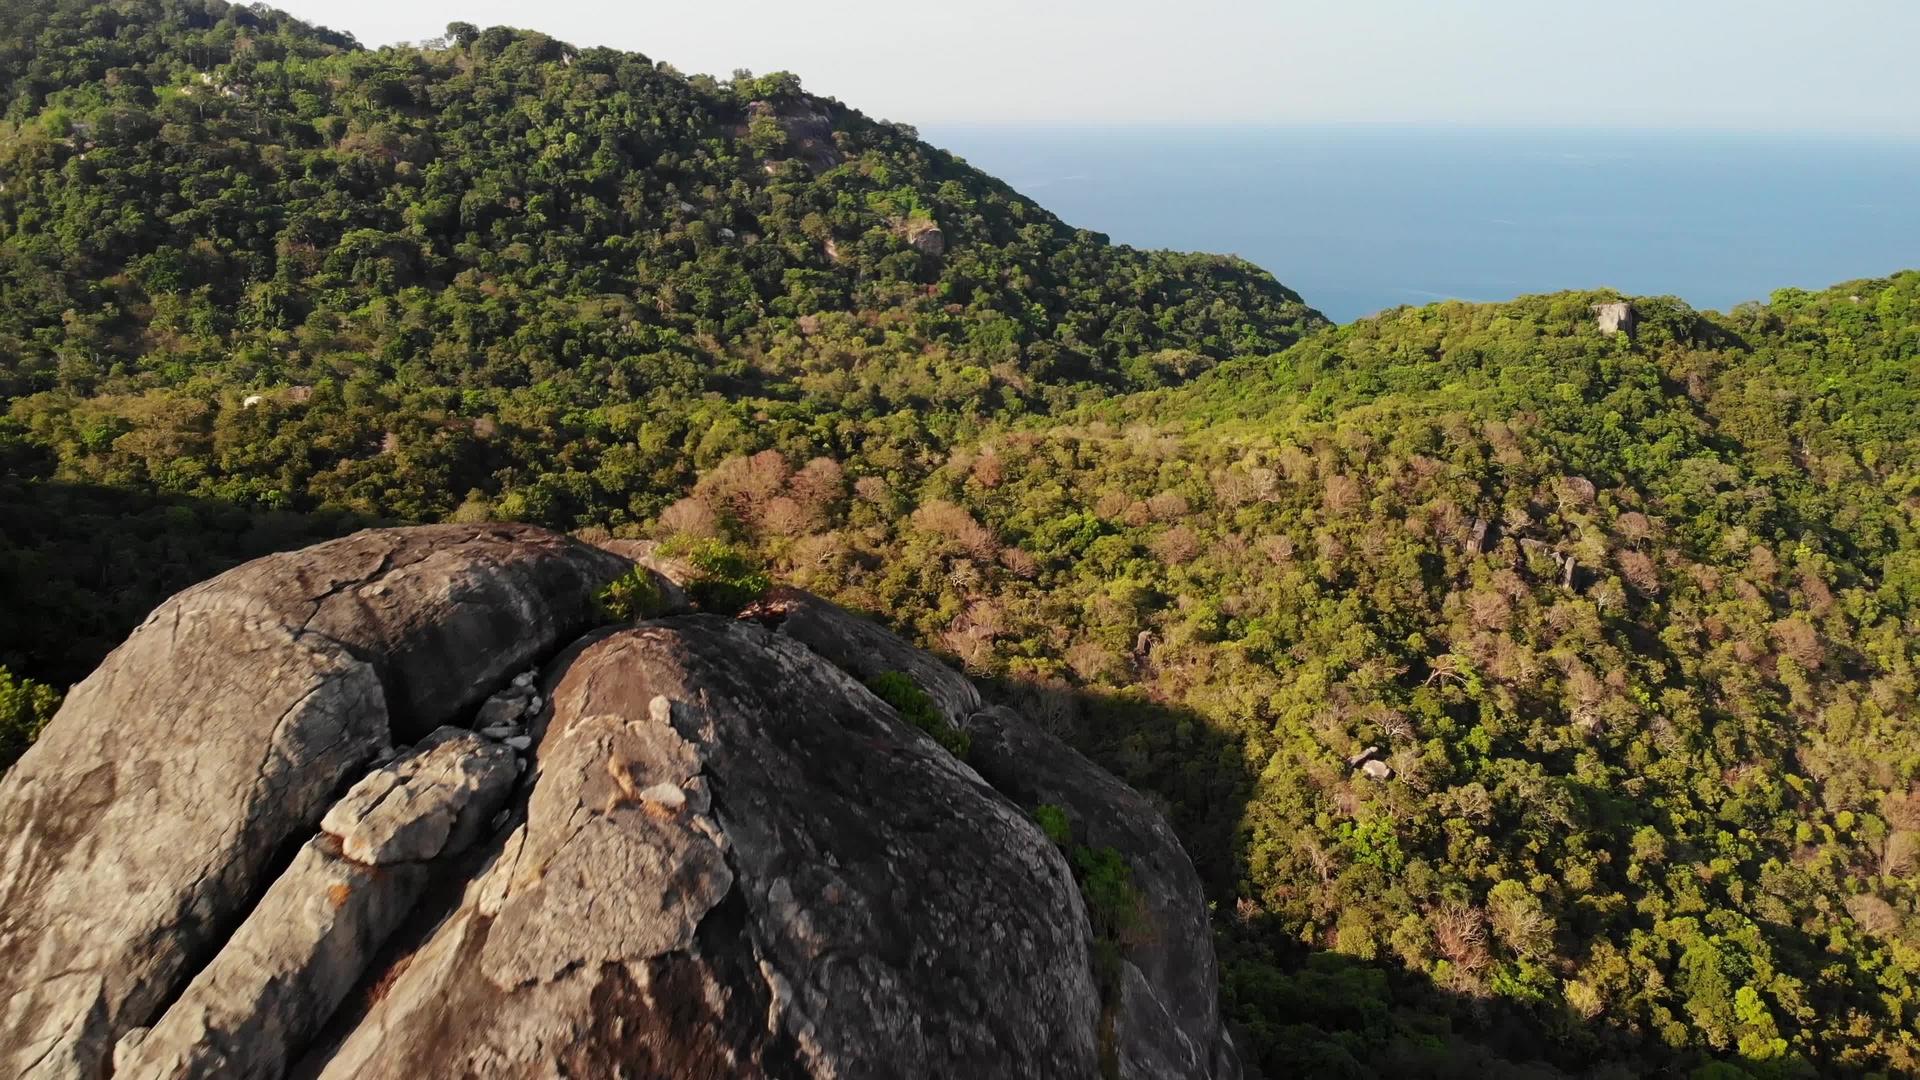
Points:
(412, 811)
(786, 1023)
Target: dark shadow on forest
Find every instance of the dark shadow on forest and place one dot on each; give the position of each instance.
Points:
(1305, 1010)
(82, 564)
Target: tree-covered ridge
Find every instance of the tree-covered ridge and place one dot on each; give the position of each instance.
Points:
(1629, 624)
(460, 252)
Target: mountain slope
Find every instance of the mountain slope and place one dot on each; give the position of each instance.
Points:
(1522, 691)
(248, 269)
(577, 248)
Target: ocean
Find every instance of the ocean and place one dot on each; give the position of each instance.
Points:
(1358, 219)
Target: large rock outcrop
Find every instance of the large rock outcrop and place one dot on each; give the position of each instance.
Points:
(136, 833)
(691, 847)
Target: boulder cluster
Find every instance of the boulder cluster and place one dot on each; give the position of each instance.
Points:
(399, 806)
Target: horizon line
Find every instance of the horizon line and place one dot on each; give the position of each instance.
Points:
(1482, 126)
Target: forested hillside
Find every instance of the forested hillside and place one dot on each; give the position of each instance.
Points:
(1522, 691)
(1532, 699)
(245, 263)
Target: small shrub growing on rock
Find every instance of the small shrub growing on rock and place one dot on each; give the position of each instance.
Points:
(1054, 822)
(633, 595)
(1104, 877)
(25, 708)
(916, 708)
(725, 578)
(1105, 881)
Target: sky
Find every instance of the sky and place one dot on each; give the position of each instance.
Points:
(1751, 65)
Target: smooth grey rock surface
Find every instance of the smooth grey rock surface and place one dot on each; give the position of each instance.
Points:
(866, 649)
(925, 237)
(500, 710)
(1169, 1013)
(1615, 318)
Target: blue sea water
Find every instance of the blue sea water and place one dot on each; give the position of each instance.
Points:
(1357, 219)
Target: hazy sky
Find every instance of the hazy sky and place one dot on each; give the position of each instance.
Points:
(1839, 65)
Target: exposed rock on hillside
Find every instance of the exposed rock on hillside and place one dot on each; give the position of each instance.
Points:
(808, 126)
(1615, 318)
(689, 847)
(294, 959)
(924, 236)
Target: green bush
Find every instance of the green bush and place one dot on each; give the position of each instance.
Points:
(725, 578)
(1053, 821)
(1103, 875)
(916, 708)
(25, 708)
(1106, 881)
(633, 595)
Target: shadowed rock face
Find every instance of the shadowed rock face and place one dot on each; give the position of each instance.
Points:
(696, 847)
(1168, 1000)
